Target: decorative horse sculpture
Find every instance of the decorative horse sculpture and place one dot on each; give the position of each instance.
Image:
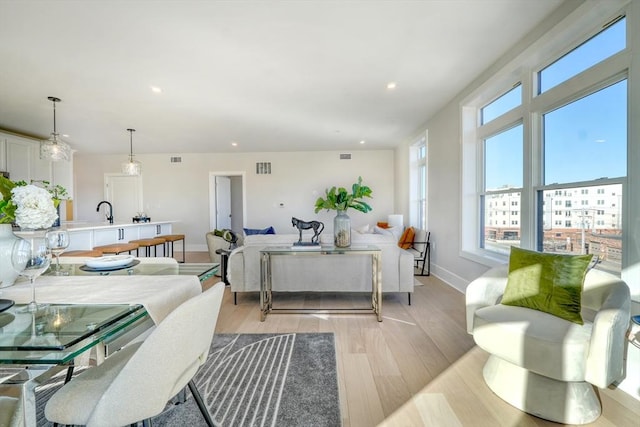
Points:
(317, 227)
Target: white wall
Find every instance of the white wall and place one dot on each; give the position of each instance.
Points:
(179, 191)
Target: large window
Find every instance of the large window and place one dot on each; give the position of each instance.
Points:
(587, 139)
(502, 186)
(422, 185)
(418, 183)
(600, 47)
(504, 103)
(546, 154)
(585, 146)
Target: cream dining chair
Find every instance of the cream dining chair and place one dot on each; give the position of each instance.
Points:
(136, 382)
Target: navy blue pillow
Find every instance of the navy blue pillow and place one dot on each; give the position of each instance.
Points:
(250, 231)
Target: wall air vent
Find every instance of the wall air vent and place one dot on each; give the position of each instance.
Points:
(176, 159)
(263, 168)
(346, 156)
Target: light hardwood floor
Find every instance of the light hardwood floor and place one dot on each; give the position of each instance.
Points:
(418, 367)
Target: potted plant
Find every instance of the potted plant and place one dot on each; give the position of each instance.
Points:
(339, 199)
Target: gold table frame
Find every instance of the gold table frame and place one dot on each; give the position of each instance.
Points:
(266, 285)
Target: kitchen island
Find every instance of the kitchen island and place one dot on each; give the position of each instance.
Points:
(87, 235)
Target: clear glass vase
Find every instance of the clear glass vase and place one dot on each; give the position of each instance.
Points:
(342, 230)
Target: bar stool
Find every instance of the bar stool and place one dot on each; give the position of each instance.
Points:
(171, 238)
(147, 244)
(84, 253)
(118, 248)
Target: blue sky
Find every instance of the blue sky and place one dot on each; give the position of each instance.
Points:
(584, 140)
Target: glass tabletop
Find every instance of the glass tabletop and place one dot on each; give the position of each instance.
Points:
(202, 270)
(56, 333)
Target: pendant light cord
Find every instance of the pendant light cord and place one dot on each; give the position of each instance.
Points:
(131, 131)
(55, 131)
(54, 118)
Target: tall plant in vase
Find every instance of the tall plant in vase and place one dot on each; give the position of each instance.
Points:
(339, 199)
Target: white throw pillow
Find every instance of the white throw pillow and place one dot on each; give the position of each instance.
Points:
(364, 229)
(396, 232)
(383, 231)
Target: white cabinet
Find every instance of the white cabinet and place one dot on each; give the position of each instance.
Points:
(80, 240)
(152, 230)
(87, 237)
(20, 156)
(107, 236)
(3, 153)
(129, 233)
(18, 159)
(165, 228)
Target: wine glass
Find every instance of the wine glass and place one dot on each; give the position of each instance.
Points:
(57, 242)
(30, 258)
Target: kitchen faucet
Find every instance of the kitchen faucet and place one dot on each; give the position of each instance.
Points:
(110, 216)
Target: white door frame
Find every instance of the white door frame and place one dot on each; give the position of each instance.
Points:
(138, 179)
(212, 195)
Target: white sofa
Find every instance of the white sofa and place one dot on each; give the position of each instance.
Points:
(321, 273)
(545, 365)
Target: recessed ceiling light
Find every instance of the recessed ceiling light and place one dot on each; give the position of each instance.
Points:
(156, 89)
(235, 144)
(362, 142)
(391, 85)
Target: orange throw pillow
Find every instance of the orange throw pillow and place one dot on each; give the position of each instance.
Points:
(383, 224)
(406, 240)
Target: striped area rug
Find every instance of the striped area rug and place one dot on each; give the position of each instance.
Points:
(256, 380)
(265, 380)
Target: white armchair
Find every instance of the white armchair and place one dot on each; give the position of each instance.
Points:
(545, 365)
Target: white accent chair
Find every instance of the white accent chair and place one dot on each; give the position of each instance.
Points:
(136, 382)
(545, 365)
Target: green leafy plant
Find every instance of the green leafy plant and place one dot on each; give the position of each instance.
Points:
(340, 199)
(7, 207)
(58, 192)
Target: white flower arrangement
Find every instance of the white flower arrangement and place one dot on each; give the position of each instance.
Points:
(27, 205)
(34, 207)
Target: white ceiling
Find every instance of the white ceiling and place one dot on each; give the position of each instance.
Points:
(269, 75)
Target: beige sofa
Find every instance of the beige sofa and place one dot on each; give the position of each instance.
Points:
(321, 273)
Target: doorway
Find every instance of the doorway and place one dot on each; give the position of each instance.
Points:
(227, 200)
(124, 192)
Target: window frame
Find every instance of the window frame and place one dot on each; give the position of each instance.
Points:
(530, 114)
(419, 184)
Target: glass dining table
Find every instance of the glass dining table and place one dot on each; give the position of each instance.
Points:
(34, 346)
(204, 271)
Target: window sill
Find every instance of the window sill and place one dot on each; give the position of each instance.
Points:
(486, 258)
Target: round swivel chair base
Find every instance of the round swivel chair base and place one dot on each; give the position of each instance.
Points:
(559, 401)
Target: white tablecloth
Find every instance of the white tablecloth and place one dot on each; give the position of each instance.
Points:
(159, 294)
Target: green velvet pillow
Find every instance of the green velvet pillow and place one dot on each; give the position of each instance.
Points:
(551, 283)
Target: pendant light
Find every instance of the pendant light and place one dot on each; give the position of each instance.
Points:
(132, 167)
(54, 148)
